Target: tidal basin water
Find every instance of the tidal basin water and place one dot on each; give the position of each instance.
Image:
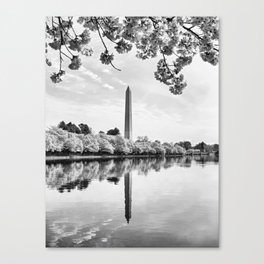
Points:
(150, 202)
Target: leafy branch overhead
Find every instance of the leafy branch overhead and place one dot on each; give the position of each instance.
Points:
(175, 39)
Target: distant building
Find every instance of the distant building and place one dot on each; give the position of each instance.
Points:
(196, 152)
(193, 152)
(128, 114)
(189, 152)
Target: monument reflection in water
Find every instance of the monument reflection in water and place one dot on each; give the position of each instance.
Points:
(128, 198)
(174, 203)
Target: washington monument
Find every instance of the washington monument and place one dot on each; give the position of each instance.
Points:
(128, 114)
(128, 135)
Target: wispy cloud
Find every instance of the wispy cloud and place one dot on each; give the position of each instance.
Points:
(106, 71)
(120, 81)
(106, 85)
(72, 77)
(91, 74)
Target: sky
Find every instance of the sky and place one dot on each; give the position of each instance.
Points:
(95, 95)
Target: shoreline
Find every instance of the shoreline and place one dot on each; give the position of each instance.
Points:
(73, 157)
(101, 157)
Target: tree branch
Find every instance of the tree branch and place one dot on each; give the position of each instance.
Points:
(60, 58)
(192, 32)
(104, 32)
(105, 22)
(73, 30)
(59, 18)
(114, 66)
(52, 22)
(62, 40)
(165, 61)
(96, 24)
(163, 55)
(196, 35)
(66, 55)
(154, 22)
(167, 66)
(98, 30)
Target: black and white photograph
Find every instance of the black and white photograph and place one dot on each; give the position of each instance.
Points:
(132, 131)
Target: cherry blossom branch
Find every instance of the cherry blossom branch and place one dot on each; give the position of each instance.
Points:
(166, 64)
(196, 35)
(68, 49)
(104, 32)
(154, 22)
(59, 18)
(63, 43)
(114, 66)
(52, 21)
(65, 55)
(98, 30)
(70, 19)
(95, 23)
(105, 22)
(175, 54)
(60, 59)
(165, 61)
(192, 32)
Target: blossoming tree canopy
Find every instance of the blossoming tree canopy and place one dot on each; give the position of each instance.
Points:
(175, 39)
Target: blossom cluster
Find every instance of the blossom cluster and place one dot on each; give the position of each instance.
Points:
(106, 58)
(176, 39)
(56, 77)
(75, 63)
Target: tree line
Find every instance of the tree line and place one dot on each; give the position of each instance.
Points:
(202, 146)
(84, 129)
(70, 138)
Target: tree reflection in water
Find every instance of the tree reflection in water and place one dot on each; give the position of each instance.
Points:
(78, 175)
(65, 177)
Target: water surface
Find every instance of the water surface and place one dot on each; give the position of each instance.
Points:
(166, 202)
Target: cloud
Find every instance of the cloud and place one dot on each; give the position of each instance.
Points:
(80, 92)
(72, 77)
(106, 71)
(92, 75)
(106, 85)
(63, 87)
(120, 81)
